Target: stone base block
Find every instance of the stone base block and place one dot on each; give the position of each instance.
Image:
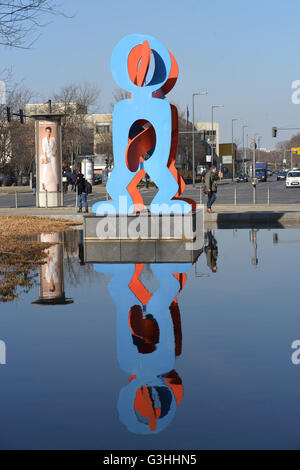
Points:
(145, 226)
(49, 199)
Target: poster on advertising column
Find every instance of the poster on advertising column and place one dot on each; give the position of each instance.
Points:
(48, 162)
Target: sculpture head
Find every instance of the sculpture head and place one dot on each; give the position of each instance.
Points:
(133, 53)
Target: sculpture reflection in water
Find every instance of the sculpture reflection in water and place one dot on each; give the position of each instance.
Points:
(51, 273)
(149, 339)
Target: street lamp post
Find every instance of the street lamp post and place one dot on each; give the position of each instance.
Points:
(258, 146)
(193, 130)
(212, 129)
(254, 158)
(232, 152)
(244, 156)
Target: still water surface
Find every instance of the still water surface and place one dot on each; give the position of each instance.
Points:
(161, 356)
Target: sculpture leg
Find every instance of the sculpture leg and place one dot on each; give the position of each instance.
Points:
(121, 201)
(168, 187)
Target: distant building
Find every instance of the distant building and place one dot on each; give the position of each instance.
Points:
(64, 108)
(210, 134)
(102, 129)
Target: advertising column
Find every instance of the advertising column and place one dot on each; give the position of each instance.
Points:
(87, 169)
(48, 161)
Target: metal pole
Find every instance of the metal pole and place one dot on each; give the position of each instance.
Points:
(193, 130)
(244, 149)
(16, 199)
(258, 147)
(254, 159)
(244, 156)
(254, 194)
(235, 196)
(212, 135)
(233, 159)
(244, 142)
(291, 159)
(269, 202)
(46, 198)
(233, 150)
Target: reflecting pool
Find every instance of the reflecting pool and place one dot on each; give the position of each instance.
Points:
(178, 355)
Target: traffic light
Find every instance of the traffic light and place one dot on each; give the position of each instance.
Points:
(274, 131)
(8, 113)
(21, 114)
(106, 162)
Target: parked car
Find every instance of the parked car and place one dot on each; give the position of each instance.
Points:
(241, 178)
(292, 179)
(269, 172)
(281, 175)
(9, 180)
(97, 179)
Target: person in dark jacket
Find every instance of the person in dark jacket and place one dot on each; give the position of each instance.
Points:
(33, 184)
(73, 180)
(82, 195)
(65, 181)
(211, 187)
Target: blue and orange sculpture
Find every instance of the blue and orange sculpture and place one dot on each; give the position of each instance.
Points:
(145, 130)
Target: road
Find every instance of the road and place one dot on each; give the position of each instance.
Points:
(278, 195)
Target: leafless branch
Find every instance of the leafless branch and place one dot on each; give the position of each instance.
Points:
(20, 20)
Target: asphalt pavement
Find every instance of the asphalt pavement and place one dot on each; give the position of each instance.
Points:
(279, 194)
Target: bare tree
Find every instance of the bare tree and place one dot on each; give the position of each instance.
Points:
(22, 148)
(118, 95)
(16, 139)
(75, 101)
(86, 97)
(20, 20)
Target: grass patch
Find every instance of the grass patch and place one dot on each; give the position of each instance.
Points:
(20, 255)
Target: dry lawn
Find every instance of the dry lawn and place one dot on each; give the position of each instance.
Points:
(20, 254)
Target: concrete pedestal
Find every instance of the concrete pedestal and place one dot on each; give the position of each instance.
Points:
(144, 238)
(49, 199)
(145, 226)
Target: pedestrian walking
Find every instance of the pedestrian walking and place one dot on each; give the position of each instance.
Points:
(82, 192)
(211, 187)
(73, 180)
(33, 184)
(65, 181)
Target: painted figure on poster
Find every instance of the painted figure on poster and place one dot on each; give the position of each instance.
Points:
(49, 161)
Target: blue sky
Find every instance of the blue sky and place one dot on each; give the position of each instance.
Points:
(246, 53)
